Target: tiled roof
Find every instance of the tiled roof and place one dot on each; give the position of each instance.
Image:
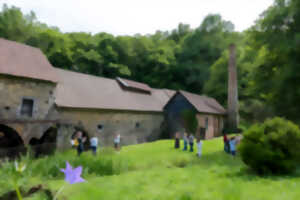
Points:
(76, 90)
(203, 103)
(24, 61)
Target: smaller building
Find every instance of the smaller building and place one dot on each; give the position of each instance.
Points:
(209, 113)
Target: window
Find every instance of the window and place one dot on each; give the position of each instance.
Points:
(100, 127)
(27, 107)
(206, 123)
(137, 125)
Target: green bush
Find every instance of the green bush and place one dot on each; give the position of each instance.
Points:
(190, 121)
(271, 147)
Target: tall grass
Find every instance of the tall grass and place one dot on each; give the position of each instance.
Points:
(156, 171)
(103, 164)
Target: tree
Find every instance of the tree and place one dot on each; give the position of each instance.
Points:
(276, 36)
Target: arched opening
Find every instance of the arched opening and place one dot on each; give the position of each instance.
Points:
(46, 144)
(84, 135)
(11, 144)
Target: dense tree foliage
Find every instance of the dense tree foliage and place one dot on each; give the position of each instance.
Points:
(184, 58)
(178, 59)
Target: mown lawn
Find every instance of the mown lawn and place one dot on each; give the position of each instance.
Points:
(156, 171)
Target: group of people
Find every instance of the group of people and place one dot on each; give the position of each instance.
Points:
(188, 140)
(79, 140)
(231, 143)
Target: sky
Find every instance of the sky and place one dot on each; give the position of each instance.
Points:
(129, 17)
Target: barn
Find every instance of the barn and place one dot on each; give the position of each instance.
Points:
(209, 114)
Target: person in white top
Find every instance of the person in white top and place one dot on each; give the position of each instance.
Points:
(199, 147)
(117, 140)
(94, 144)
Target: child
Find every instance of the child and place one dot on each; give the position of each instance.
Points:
(191, 141)
(117, 140)
(199, 147)
(232, 144)
(185, 141)
(94, 144)
(177, 141)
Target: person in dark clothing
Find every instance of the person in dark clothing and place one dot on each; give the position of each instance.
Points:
(226, 143)
(80, 140)
(177, 140)
(191, 142)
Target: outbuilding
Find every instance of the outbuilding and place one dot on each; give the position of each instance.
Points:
(209, 114)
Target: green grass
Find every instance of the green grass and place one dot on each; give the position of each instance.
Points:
(156, 171)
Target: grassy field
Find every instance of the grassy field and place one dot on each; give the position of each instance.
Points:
(156, 171)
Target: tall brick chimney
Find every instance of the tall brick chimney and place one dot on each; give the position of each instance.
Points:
(232, 110)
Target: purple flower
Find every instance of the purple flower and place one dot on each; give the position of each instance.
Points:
(72, 175)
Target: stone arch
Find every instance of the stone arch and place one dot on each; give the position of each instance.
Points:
(84, 134)
(46, 144)
(11, 143)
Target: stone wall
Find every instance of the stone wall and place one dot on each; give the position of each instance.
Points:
(13, 91)
(134, 127)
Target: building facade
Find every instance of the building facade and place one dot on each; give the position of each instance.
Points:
(44, 106)
(27, 91)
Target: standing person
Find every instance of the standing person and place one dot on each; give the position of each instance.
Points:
(117, 141)
(232, 144)
(94, 144)
(191, 142)
(185, 141)
(177, 141)
(80, 141)
(226, 143)
(199, 147)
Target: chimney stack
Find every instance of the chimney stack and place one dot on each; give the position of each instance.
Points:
(232, 110)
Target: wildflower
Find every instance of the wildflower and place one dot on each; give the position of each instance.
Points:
(20, 167)
(72, 176)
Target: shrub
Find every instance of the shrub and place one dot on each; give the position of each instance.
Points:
(271, 147)
(190, 121)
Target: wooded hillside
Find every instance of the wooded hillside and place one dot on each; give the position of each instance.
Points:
(184, 58)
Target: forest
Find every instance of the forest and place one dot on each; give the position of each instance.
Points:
(191, 59)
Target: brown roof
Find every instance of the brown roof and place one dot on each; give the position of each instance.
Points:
(134, 85)
(169, 92)
(24, 61)
(76, 90)
(203, 103)
(162, 95)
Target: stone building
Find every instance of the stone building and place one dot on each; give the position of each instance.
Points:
(103, 107)
(209, 113)
(43, 106)
(27, 96)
